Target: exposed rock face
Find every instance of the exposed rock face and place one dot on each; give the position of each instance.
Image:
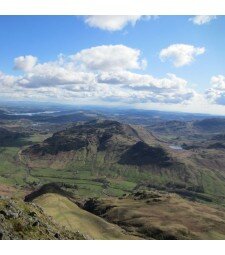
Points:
(80, 136)
(19, 220)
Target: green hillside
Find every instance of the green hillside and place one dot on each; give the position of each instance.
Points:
(74, 218)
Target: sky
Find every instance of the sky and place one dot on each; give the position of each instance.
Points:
(150, 62)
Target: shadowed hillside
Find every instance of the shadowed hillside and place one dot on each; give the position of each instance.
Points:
(8, 138)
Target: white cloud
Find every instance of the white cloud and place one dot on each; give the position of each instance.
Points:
(109, 57)
(80, 69)
(141, 81)
(111, 22)
(7, 80)
(216, 94)
(218, 82)
(181, 54)
(48, 74)
(123, 78)
(104, 74)
(25, 63)
(202, 19)
(171, 89)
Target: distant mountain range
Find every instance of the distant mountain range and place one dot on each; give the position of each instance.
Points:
(70, 112)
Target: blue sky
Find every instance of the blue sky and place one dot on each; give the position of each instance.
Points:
(45, 37)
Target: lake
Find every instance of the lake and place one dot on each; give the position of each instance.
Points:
(176, 147)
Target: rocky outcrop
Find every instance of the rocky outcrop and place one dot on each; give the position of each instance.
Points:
(116, 143)
(20, 220)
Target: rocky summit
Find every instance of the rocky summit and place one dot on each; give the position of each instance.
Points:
(103, 142)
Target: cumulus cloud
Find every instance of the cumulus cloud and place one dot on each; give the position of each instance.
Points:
(171, 89)
(25, 63)
(123, 77)
(202, 19)
(180, 54)
(110, 57)
(216, 94)
(111, 22)
(141, 81)
(7, 80)
(47, 75)
(105, 73)
(81, 67)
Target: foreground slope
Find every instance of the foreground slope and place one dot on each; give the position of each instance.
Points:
(160, 215)
(74, 218)
(19, 220)
(141, 215)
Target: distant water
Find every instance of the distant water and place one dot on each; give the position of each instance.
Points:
(32, 113)
(176, 147)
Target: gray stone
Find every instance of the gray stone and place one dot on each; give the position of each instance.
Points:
(2, 217)
(3, 212)
(36, 223)
(32, 214)
(57, 235)
(11, 214)
(1, 234)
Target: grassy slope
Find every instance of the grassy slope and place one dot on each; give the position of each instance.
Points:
(75, 168)
(122, 178)
(11, 171)
(70, 215)
(15, 173)
(166, 217)
(163, 217)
